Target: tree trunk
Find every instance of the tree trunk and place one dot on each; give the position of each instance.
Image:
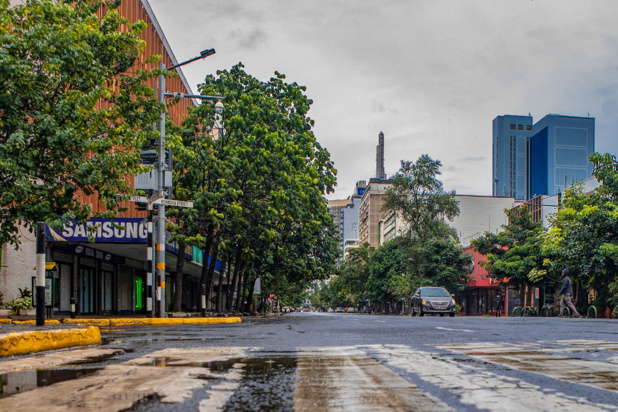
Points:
(219, 307)
(204, 277)
(245, 280)
(250, 297)
(239, 293)
(237, 265)
(180, 265)
(211, 275)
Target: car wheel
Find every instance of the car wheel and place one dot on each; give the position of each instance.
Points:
(452, 315)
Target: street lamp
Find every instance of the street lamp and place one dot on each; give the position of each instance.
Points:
(161, 168)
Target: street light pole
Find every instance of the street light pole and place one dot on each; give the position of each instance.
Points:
(161, 168)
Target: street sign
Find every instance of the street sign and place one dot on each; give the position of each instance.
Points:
(139, 199)
(172, 202)
(156, 196)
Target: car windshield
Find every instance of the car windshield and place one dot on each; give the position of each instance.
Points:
(435, 293)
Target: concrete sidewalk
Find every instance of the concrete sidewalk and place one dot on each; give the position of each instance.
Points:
(79, 332)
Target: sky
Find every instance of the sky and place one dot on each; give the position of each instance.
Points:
(431, 74)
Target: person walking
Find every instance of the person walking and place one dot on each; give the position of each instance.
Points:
(498, 306)
(567, 294)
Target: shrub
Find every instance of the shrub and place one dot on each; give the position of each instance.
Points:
(20, 303)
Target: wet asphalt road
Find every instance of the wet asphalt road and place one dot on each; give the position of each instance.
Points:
(322, 361)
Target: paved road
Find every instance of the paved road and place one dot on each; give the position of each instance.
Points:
(316, 362)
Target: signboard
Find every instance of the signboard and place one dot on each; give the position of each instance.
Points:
(257, 289)
(48, 291)
(122, 230)
(172, 202)
(139, 199)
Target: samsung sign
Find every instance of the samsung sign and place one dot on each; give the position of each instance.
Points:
(122, 230)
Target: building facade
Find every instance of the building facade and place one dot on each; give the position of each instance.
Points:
(542, 158)
(510, 141)
(109, 275)
(559, 151)
(345, 214)
(370, 212)
(479, 214)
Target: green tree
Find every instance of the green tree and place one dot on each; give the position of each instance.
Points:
(72, 118)
(258, 185)
(417, 195)
(514, 255)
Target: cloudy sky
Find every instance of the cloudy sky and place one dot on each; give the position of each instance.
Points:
(430, 74)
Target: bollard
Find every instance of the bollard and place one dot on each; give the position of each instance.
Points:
(72, 308)
(203, 300)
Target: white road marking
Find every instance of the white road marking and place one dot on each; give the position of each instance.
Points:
(481, 388)
(455, 330)
(598, 374)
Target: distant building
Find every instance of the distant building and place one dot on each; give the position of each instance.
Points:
(510, 160)
(541, 159)
(380, 174)
(559, 151)
(479, 214)
(370, 212)
(345, 214)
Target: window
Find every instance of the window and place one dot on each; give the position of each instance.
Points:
(528, 128)
(512, 127)
(520, 127)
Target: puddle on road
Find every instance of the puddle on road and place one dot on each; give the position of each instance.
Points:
(12, 383)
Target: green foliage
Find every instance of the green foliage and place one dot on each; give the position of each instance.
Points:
(514, 255)
(70, 119)
(418, 197)
(258, 182)
(20, 303)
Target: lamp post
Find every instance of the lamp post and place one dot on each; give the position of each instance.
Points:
(161, 169)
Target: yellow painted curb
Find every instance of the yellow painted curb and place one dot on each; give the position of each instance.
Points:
(171, 321)
(21, 343)
(5, 321)
(86, 322)
(33, 322)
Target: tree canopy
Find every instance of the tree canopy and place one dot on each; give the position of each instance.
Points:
(71, 118)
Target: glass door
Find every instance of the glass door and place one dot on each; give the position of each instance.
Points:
(87, 290)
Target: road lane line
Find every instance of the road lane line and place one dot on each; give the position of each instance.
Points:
(345, 379)
(580, 371)
(478, 387)
(455, 330)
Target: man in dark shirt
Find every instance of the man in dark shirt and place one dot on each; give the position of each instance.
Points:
(567, 294)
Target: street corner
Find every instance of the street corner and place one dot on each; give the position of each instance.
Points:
(23, 343)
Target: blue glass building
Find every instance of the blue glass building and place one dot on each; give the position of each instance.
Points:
(559, 151)
(510, 159)
(540, 159)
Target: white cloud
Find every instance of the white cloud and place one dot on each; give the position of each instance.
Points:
(431, 74)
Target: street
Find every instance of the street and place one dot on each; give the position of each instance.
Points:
(328, 361)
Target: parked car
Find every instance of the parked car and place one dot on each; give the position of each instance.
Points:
(433, 300)
(339, 310)
(351, 310)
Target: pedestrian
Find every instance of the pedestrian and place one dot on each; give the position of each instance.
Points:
(567, 294)
(498, 306)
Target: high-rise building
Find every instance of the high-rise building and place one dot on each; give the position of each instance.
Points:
(540, 159)
(510, 141)
(345, 216)
(370, 212)
(559, 151)
(380, 174)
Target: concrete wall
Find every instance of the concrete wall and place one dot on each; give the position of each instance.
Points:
(480, 214)
(18, 266)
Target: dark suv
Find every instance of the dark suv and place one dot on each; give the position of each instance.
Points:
(432, 300)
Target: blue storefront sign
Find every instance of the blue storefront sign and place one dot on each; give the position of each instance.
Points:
(122, 230)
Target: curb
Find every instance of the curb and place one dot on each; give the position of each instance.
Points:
(150, 321)
(23, 343)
